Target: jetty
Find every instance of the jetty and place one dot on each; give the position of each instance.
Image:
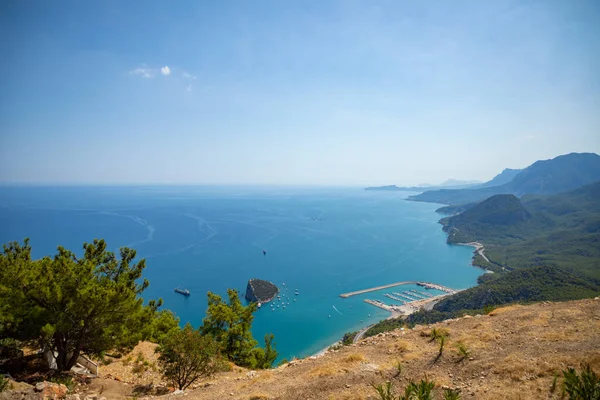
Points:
(404, 296)
(374, 289)
(416, 294)
(427, 285)
(394, 298)
(387, 307)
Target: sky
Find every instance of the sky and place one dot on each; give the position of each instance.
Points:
(293, 92)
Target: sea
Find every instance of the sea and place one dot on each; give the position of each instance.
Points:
(319, 241)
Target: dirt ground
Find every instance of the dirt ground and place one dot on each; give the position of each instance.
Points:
(515, 353)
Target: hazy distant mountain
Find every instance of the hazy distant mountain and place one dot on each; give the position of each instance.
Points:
(560, 174)
(503, 177)
(449, 184)
(456, 182)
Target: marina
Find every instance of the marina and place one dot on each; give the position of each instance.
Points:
(412, 300)
(427, 285)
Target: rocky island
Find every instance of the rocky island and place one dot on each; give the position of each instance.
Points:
(261, 291)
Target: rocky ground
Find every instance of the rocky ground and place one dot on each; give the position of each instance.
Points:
(514, 353)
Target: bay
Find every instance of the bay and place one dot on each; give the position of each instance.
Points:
(321, 241)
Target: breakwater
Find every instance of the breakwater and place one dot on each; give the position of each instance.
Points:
(427, 285)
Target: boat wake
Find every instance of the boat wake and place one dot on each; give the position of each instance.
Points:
(337, 310)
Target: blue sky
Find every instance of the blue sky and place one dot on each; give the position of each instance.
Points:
(293, 92)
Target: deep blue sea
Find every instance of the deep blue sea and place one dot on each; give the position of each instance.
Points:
(321, 241)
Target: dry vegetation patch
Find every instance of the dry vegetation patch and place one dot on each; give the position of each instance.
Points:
(512, 353)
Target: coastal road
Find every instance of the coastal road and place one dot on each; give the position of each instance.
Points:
(361, 333)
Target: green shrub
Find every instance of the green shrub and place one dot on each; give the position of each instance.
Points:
(187, 355)
(463, 350)
(3, 383)
(451, 394)
(63, 379)
(422, 390)
(581, 387)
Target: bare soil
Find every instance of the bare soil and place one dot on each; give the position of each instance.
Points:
(515, 353)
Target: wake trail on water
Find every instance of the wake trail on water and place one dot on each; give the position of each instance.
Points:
(337, 310)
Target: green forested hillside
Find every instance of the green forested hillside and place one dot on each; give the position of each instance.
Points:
(561, 230)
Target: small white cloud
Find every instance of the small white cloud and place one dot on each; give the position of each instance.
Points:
(165, 70)
(143, 72)
(188, 75)
(188, 88)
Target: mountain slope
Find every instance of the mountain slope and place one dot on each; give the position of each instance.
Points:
(503, 177)
(515, 353)
(561, 230)
(559, 174)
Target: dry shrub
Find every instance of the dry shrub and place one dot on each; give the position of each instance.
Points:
(258, 396)
(354, 357)
(515, 367)
(324, 370)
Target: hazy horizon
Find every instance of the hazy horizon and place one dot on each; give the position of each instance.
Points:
(338, 93)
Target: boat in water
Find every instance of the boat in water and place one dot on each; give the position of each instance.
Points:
(184, 292)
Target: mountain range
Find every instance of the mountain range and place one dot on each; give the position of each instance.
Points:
(559, 174)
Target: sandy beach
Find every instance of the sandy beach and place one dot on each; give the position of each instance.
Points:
(479, 248)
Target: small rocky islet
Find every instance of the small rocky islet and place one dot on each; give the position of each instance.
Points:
(261, 291)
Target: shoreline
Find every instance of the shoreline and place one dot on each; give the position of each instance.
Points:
(407, 309)
(479, 249)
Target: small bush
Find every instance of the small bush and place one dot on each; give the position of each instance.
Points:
(463, 350)
(488, 309)
(436, 334)
(138, 369)
(63, 379)
(354, 357)
(384, 390)
(186, 355)
(421, 390)
(581, 387)
(398, 368)
(3, 383)
(451, 394)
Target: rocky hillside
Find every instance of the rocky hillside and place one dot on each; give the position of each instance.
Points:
(514, 353)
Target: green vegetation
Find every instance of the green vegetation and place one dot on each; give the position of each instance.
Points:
(89, 305)
(229, 323)
(3, 383)
(72, 305)
(186, 355)
(63, 380)
(451, 394)
(542, 248)
(385, 326)
(584, 386)
(349, 338)
(422, 390)
(463, 350)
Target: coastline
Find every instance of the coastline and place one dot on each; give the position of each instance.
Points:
(406, 310)
(479, 249)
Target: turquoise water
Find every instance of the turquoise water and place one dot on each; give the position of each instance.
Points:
(321, 241)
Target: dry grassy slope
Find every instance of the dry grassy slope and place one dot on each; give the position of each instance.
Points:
(515, 352)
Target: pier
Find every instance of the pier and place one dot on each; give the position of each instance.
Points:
(442, 288)
(427, 285)
(394, 298)
(374, 289)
